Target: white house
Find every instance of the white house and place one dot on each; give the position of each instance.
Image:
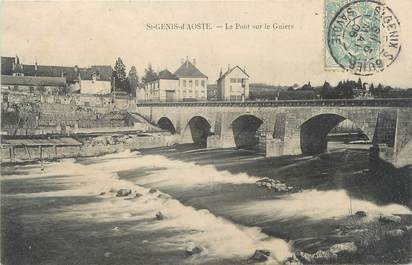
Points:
(186, 84)
(233, 85)
(96, 80)
(192, 82)
(163, 88)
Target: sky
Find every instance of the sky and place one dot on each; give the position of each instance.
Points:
(96, 33)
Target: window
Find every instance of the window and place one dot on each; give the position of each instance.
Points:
(158, 84)
(197, 83)
(190, 83)
(203, 83)
(232, 80)
(184, 83)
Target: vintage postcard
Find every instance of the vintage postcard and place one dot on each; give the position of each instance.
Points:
(206, 132)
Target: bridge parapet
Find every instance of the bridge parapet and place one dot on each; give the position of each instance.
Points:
(381, 102)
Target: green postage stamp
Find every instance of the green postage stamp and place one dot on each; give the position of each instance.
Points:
(362, 36)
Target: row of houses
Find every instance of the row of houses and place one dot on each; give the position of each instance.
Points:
(19, 77)
(187, 83)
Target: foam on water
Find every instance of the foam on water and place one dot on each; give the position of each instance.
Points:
(218, 237)
(315, 205)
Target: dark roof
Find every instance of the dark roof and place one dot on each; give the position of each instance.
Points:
(69, 72)
(33, 81)
(7, 65)
(105, 71)
(230, 70)
(166, 74)
(187, 69)
(51, 71)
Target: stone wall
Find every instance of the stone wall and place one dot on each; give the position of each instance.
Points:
(89, 148)
(54, 114)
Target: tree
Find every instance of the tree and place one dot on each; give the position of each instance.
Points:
(325, 90)
(307, 87)
(149, 74)
(359, 84)
(133, 80)
(347, 90)
(120, 75)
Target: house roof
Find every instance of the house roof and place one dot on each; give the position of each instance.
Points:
(33, 81)
(187, 69)
(51, 71)
(104, 72)
(166, 74)
(231, 70)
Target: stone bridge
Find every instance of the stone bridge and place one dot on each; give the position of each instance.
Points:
(286, 127)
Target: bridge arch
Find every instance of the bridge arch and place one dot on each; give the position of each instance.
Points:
(245, 130)
(166, 124)
(314, 131)
(200, 129)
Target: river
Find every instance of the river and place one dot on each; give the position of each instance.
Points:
(67, 212)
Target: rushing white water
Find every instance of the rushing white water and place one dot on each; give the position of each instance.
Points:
(218, 237)
(316, 205)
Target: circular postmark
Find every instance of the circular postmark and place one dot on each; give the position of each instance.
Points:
(364, 37)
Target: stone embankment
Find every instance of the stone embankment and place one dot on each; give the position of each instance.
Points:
(90, 146)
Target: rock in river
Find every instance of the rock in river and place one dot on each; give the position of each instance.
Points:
(159, 216)
(192, 249)
(152, 190)
(260, 255)
(348, 247)
(387, 219)
(360, 214)
(123, 192)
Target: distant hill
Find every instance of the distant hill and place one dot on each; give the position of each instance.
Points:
(259, 91)
(266, 87)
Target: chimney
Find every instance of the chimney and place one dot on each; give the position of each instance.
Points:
(194, 61)
(220, 74)
(35, 65)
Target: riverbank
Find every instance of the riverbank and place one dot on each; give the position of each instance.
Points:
(85, 146)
